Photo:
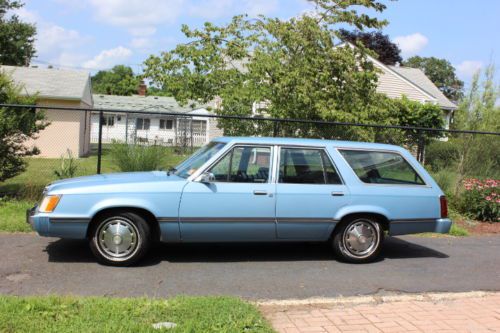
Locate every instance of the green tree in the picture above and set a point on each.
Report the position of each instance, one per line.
(17, 126)
(441, 73)
(387, 51)
(16, 38)
(479, 155)
(292, 66)
(120, 80)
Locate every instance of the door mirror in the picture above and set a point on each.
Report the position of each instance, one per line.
(206, 177)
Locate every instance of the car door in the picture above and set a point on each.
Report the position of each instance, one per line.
(309, 192)
(237, 205)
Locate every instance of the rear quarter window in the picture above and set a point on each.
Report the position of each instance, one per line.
(380, 167)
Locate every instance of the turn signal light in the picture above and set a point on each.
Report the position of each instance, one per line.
(49, 203)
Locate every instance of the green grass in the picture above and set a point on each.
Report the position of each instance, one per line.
(40, 171)
(458, 231)
(100, 314)
(12, 215)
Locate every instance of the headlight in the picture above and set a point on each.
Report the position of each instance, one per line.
(49, 203)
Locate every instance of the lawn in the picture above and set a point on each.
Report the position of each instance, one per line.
(103, 314)
(13, 215)
(40, 172)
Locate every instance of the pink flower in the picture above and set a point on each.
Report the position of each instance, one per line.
(488, 198)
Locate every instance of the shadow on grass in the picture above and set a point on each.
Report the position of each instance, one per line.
(393, 248)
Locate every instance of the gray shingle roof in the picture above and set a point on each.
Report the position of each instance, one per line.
(51, 83)
(143, 103)
(417, 77)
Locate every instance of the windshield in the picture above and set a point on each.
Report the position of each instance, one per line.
(195, 161)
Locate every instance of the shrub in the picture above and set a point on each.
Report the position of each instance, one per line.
(440, 155)
(17, 127)
(137, 158)
(481, 199)
(446, 179)
(68, 166)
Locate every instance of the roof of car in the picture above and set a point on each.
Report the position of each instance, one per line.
(306, 142)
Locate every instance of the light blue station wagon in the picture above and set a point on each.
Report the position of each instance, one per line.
(251, 190)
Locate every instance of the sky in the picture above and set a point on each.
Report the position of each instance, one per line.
(97, 34)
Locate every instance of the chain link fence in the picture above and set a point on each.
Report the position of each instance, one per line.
(87, 139)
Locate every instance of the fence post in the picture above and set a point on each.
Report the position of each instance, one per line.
(99, 143)
(420, 146)
(276, 129)
(191, 130)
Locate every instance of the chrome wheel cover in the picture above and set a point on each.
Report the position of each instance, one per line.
(117, 238)
(361, 238)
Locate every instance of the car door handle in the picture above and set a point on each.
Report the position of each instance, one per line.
(259, 192)
(337, 194)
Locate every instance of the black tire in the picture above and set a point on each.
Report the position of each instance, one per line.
(349, 248)
(130, 238)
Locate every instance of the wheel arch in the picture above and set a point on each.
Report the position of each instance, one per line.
(379, 217)
(143, 212)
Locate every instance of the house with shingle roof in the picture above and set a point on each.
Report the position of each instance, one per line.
(156, 127)
(399, 81)
(60, 88)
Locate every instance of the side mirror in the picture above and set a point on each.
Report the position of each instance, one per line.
(206, 177)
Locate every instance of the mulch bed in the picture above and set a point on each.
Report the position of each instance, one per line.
(480, 228)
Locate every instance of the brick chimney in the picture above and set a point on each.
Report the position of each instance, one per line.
(142, 89)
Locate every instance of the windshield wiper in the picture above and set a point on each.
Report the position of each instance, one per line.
(171, 170)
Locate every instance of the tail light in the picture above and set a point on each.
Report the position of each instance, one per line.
(444, 206)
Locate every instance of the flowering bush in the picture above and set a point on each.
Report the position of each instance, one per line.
(481, 199)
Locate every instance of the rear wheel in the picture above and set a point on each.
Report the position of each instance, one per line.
(120, 238)
(358, 239)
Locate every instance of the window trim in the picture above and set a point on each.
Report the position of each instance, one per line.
(229, 151)
(143, 122)
(165, 120)
(324, 149)
(425, 184)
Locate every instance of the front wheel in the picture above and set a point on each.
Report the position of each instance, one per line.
(358, 240)
(120, 238)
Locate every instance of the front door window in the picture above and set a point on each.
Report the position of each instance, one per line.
(244, 165)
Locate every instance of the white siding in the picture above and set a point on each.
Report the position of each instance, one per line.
(394, 86)
(154, 135)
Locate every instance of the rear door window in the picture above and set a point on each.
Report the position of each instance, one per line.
(306, 166)
(380, 167)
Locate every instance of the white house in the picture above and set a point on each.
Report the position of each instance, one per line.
(153, 127)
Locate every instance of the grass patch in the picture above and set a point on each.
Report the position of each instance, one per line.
(13, 215)
(458, 231)
(40, 172)
(100, 314)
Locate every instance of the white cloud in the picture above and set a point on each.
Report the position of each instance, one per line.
(140, 17)
(468, 68)
(210, 9)
(54, 39)
(411, 44)
(141, 43)
(258, 7)
(54, 43)
(108, 58)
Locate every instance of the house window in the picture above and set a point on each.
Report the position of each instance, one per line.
(108, 121)
(166, 124)
(143, 123)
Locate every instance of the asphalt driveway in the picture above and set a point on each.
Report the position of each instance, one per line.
(30, 264)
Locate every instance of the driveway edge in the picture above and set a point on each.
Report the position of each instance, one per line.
(376, 299)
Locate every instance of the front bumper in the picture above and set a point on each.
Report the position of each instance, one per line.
(404, 227)
(54, 226)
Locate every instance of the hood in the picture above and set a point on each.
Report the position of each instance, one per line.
(125, 178)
